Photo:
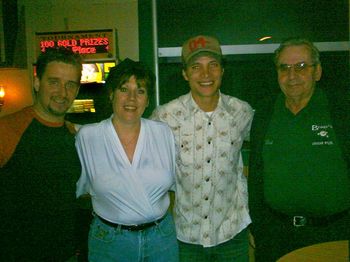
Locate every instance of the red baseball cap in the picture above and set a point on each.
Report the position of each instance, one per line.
(198, 44)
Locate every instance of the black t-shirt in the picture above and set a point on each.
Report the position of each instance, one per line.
(38, 204)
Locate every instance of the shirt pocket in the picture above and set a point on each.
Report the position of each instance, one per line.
(228, 149)
(186, 141)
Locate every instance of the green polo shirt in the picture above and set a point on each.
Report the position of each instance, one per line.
(304, 172)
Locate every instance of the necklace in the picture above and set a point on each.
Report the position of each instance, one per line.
(127, 136)
(128, 143)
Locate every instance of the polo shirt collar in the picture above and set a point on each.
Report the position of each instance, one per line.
(318, 98)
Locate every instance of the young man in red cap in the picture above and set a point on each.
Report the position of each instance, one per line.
(209, 127)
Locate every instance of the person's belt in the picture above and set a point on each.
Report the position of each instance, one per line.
(300, 221)
(139, 227)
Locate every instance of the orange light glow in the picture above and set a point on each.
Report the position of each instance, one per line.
(2, 92)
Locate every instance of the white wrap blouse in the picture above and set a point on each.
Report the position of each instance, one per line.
(123, 192)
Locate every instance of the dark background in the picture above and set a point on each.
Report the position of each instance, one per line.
(249, 77)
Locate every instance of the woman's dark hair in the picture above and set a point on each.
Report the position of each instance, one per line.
(121, 73)
(60, 54)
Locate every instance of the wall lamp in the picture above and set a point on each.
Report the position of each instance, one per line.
(2, 96)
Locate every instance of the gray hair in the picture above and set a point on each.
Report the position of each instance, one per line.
(315, 54)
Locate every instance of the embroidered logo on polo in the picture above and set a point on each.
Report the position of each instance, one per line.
(321, 134)
(268, 142)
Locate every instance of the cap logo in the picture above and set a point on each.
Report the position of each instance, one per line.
(196, 43)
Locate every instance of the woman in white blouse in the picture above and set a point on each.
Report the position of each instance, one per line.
(128, 167)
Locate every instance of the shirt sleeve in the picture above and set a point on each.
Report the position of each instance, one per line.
(155, 115)
(83, 183)
(174, 149)
(12, 127)
(250, 113)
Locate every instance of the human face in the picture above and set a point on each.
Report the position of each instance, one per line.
(204, 75)
(298, 86)
(129, 101)
(56, 90)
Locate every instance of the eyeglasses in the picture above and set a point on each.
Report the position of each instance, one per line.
(298, 67)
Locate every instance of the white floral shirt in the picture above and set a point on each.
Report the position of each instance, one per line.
(211, 190)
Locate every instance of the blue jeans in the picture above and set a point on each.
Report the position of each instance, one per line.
(154, 244)
(234, 250)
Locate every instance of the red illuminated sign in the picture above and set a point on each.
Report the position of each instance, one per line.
(92, 45)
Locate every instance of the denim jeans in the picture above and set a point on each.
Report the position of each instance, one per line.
(236, 249)
(154, 244)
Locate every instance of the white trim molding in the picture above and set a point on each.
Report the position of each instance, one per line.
(257, 49)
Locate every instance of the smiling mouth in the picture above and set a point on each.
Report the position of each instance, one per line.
(60, 101)
(130, 108)
(206, 83)
(294, 86)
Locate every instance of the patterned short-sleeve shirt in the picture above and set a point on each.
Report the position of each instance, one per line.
(211, 190)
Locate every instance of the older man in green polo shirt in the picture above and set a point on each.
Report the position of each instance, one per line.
(299, 180)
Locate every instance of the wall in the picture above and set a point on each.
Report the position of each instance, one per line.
(8, 30)
(67, 15)
(17, 88)
(239, 25)
(245, 22)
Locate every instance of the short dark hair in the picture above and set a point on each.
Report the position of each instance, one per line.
(121, 73)
(298, 41)
(59, 54)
